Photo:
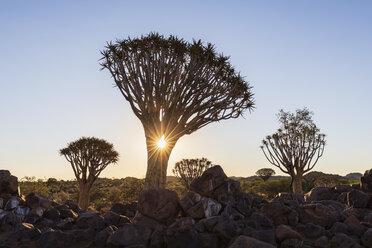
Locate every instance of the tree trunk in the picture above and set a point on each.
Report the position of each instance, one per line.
(84, 190)
(297, 184)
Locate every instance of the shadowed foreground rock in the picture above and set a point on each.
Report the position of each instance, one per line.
(216, 214)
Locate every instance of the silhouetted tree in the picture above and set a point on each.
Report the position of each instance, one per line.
(189, 169)
(296, 147)
(88, 158)
(265, 173)
(174, 88)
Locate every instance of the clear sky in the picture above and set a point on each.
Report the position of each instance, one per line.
(315, 54)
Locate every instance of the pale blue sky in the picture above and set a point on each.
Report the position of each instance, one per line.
(315, 54)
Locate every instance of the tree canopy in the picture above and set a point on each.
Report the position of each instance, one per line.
(189, 169)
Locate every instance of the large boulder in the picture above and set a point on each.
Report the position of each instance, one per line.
(8, 183)
(128, 209)
(199, 207)
(344, 241)
(227, 192)
(357, 199)
(284, 232)
(366, 181)
(130, 235)
(367, 238)
(280, 213)
(90, 219)
(248, 242)
(321, 193)
(209, 181)
(159, 204)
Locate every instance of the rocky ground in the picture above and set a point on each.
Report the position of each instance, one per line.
(216, 213)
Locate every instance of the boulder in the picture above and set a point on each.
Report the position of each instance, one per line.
(101, 238)
(323, 213)
(67, 213)
(159, 204)
(279, 213)
(25, 233)
(243, 203)
(65, 224)
(34, 201)
(208, 239)
(313, 231)
(12, 203)
(52, 214)
(248, 242)
(226, 229)
(339, 227)
(321, 193)
(90, 219)
(366, 181)
(283, 232)
(209, 181)
(367, 238)
(206, 207)
(227, 192)
(130, 235)
(72, 205)
(143, 220)
(344, 241)
(8, 183)
(357, 199)
(112, 218)
(186, 239)
(207, 224)
(261, 221)
(128, 209)
(292, 243)
(322, 242)
(354, 227)
(267, 236)
(9, 222)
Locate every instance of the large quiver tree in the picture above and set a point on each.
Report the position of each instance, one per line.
(174, 88)
(296, 147)
(88, 158)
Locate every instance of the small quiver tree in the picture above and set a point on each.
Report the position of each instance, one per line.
(265, 173)
(88, 158)
(187, 170)
(174, 88)
(296, 147)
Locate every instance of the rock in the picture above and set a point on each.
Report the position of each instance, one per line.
(227, 192)
(339, 227)
(243, 203)
(143, 220)
(103, 235)
(261, 221)
(278, 212)
(323, 213)
(366, 181)
(73, 206)
(321, 193)
(112, 218)
(66, 224)
(158, 238)
(31, 218)
(25, 232)
(199, 207)
(67, 213)
(55, 239)
(344, 241)
(186, 239)
(286, 197)
(52, 214)
(130, 235)
(21, 211)
(208, 240)
(209, 181)
(90, 219)
(39, 211)
(231, 213)
(159, 204)
(343, 188)
(8, 183)
(9, 222)
(211, 207)
(189, 200)
(181, 223)
(367, 238)
(207, 224)
(283, 232)
(354, 227)
(225, 229)
(128, 209)
(322, 242)
(313, 231)
(267, 236)
(247, 242)
(291, 243)
(12, 203)
(357, 199)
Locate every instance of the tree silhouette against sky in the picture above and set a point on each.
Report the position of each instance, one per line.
(174, 88)
(88, 157)
(296, 147)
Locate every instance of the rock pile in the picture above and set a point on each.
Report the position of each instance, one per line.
(216, 213)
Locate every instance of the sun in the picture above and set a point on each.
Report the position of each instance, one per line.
(162, 143)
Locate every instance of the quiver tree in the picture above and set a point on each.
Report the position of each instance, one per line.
(296, 147)
(88, 158)
(174, 88)
(187, 170)
(265, 173)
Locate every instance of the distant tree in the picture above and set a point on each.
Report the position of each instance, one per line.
(265, 173)
(189, 169)
(88, 158)
(174, 88)
(296, 147)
